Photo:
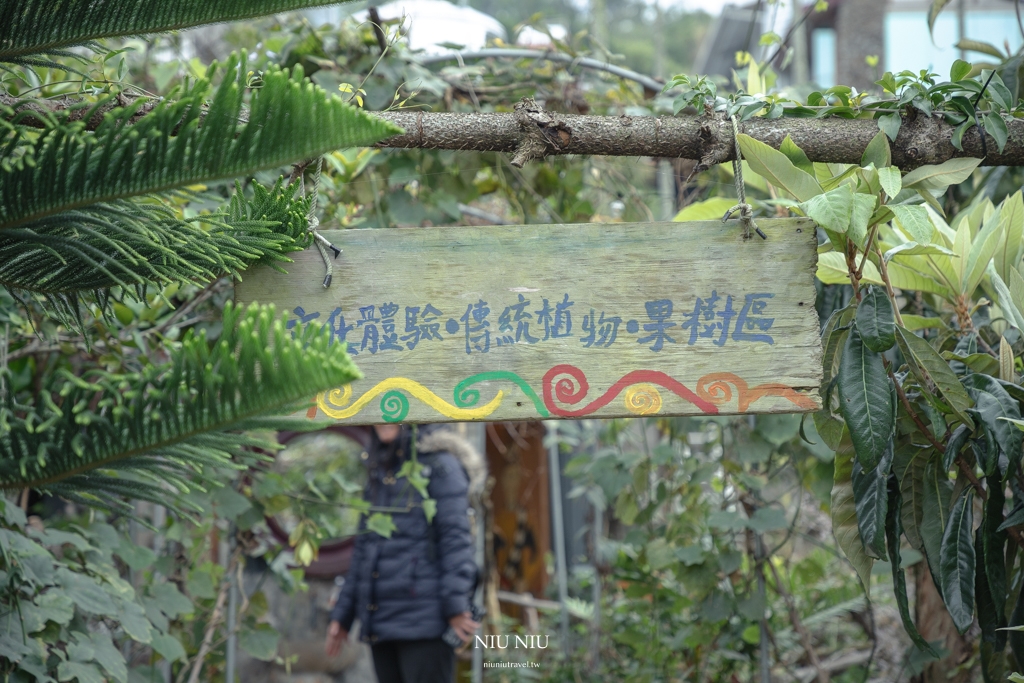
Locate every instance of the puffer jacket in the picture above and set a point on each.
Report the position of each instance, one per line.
(406, 587)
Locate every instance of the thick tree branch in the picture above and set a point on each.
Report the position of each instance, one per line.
(532, 133)
(921, 140)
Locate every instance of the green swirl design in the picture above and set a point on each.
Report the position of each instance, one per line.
(394, 406)
(467, 398)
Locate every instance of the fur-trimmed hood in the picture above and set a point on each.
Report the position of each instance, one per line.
(442, 439)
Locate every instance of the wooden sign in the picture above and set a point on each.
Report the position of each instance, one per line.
(562, 321)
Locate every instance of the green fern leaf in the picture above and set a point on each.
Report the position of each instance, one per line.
(178, 143)
(129, 243)
(109, 437)
(34, 26)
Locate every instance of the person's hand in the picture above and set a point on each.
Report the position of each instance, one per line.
(464, 625)
(336, 635)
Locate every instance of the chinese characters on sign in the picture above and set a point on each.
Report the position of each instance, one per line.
(526, 322)
(715, 319)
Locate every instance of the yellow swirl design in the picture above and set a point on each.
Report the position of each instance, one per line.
(643, 399)
(333, 402)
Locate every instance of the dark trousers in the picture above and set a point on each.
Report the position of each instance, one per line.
(414, 661)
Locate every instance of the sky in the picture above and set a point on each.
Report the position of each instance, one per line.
(709, 6)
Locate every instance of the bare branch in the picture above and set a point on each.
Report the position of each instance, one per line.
(921, 140)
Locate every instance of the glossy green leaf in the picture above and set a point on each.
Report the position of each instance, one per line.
(982, 249)
(890, 125)
(833, 338)
(889, 178)
(832, 210)
(986, 451)
(1015, 518)
(933, 13)
(776, 168)
(1011, 243)
(893, 530)
(50, 606)
(709, 209)
(860, 218)
(878, 153)
(1016, 287)
(980, 46)
(960, 70)
(957, 561)
(865, 400)
(941, 176)
(957, 137)
(260, 641)
(83, 672)
(137, 557)
(934, 373)
(913, 220)
(902, 251)
(901, 277)
(871, 497)
(979, 362)
(830, 428)
(875, 320)
(995, 409)
(988, 616)
(169, 600)
(909, 463)
(920, 322)
(996, 127)
(796, 155)
(168, 647)
(938, 491)
(381, 524)
(832, 270)
(955, 444)
(844, 514)
(105, 654)
(993, 545)
(660, 553)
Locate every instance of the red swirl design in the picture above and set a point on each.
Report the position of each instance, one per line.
(572, 389)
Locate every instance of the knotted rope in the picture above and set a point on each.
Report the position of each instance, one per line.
(321, 242)
(745, 210)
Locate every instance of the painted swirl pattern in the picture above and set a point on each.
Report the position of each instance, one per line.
(564, 387)
(643, 399)
(568, 385)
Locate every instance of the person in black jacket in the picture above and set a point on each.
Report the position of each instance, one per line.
(408, 589)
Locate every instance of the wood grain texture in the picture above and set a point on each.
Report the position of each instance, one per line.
(562, 321)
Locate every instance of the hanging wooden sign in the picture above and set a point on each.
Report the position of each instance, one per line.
(562, 321)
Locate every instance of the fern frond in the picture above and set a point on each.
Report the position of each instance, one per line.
(178, 143)
(34, 26)
(47, 62)
(114, 436)
(131, 242)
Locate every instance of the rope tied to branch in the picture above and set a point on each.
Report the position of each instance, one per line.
(745, 210)
(321, 242)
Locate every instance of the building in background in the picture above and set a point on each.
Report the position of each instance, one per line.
(907, 43)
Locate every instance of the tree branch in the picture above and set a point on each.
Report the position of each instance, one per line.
(822, 674)
(211, 626)
(651, 86)
(921, 140)
(532, 133)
